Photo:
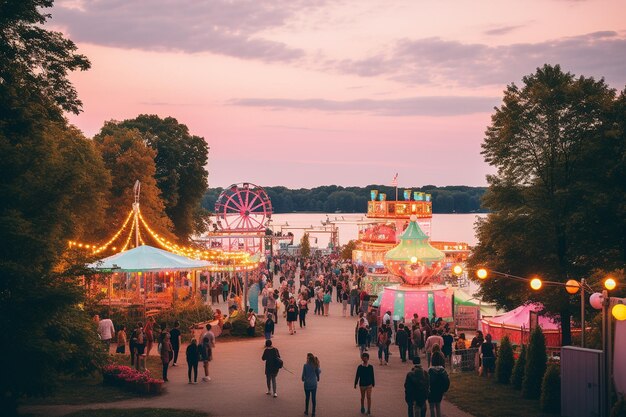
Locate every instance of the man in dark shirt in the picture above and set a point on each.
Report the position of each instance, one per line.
(416, 386)
(365, 379)
(402, 340)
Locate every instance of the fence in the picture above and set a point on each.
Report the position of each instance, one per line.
(465, 360)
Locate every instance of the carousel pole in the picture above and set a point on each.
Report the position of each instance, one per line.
(137, 190)
(245, 292)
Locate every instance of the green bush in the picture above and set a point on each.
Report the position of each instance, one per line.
(551, 390)
(505, 361)
(518, 371)
(619, 408)
(535, 365)
(240, 326)
(187, 312)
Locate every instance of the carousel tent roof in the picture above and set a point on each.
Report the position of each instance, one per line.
(147, 258)
(414, 244)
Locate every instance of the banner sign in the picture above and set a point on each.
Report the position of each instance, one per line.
(466, 317)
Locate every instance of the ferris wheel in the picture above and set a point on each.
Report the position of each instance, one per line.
(243, 206)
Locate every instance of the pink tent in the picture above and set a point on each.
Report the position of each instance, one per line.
(516, 324)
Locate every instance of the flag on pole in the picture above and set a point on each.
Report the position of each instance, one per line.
(395, 180)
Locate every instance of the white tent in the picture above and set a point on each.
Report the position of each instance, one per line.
(147, 258)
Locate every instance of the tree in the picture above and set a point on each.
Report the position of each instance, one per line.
(128, 159)
(180, 170)
(551, 390)
(305, 246)
(518, 371)
(346, 251)
(536, 360)
(549, 141)
(34, 60)
(505, 361)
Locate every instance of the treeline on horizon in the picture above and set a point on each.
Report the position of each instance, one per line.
(331, 198)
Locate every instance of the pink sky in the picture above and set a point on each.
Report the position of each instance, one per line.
(311, 92)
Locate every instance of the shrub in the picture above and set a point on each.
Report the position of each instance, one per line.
(551, 390)
(505, 361)
(187, 312)
(619, 408)
(518, 370)
(535, 365)
(240, 326)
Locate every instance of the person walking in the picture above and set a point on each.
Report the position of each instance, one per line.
(446, 349)
(402, 340)
(303, 309)
(432, 340)
(344, 302)
(310, 376)
(192, 355)
(292, 315)
(268, 328)
(148, 331)
(206, 351)
(273, 363)
(251, 322)
(106, 331)
(166, 353)
(365, 379)
(383, 341)
(488, 355)
(326, 300)
(225, 289)
(175, 336)
(416, 388)
(439, 383)
(362, 333)
(354, 301)
(138, 345)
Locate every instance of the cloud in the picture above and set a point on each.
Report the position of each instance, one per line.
(447, 62)
(224, 27)
(502, 30)
(413, 106)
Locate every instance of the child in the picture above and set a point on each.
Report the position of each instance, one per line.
(365, 379)
(192, 360)
(269, 326)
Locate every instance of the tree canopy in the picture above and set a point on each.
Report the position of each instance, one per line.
(558, 146)
(180, 169)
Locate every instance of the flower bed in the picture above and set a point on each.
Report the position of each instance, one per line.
(131, 379)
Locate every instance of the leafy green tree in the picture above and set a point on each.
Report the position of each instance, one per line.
(518, 370)
(305, 246)
(180, 170)
(548, 141)
(536, 360)
(34, 60)
(505, 361)
(129, 159)
(551, 390)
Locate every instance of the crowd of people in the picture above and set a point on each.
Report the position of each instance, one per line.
(318, 278)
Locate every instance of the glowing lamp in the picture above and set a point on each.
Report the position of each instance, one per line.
(413, 259)
(481, 273)
(536, 284)
(610, 284)
(572, 286)
(596, 300)
(619, 312)
(457, 270)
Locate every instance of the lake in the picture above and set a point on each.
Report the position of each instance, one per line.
(445, 227)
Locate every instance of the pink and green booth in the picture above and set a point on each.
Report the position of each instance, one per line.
(418, 264)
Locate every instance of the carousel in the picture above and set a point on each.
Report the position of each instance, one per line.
(418, 265)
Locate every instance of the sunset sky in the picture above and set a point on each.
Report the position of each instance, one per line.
(311, 92)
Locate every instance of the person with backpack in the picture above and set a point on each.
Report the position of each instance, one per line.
(273, 363)
(416, 388)
(439, 383)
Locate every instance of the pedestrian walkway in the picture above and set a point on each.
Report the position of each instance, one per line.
(238, 387)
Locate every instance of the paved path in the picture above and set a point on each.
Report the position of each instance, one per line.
(238, 387)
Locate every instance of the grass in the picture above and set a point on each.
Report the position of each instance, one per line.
(76, 391)
(484, 397)
(137, 412)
